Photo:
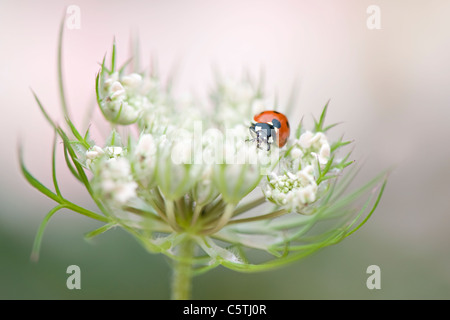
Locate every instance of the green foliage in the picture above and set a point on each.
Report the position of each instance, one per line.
(226, 228)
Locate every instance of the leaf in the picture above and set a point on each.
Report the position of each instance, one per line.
(104, 68)
(298, 132)
(99, 231)
(77, 134)
(34, 182)
(70, 165)
(73, 156)
(97, 94)
(113, 57)
(88, 139)
(40, 233)
(122, 68)
(47, 117)
(55, 181)
(318, 126)
(331, 126)
(377, 201)
(62, 94)
(338, 144)
(114, 139)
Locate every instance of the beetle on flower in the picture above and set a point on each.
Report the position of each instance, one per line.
(202, 215)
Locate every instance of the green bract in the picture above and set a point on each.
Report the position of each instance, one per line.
(194, 188)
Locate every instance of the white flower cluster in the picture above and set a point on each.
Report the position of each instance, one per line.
(97, 152)
(175, 173)
(310, 148)
(127, 99)
(145, 159)
(122, 98)
(165, 154)
(296, 186)
(292, 191)
(112, 173)
(115, 181)
(235, 101)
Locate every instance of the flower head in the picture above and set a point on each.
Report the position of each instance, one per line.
(114, 181)
(120, 98)
(174, 176)
(294, 191)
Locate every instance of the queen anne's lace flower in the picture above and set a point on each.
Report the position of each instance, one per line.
(294, 183)
(114, 181)
(292, 190)
(92, 154)
(235, 101)
(145, 160)
(178, 179)
(315, 144)
(122, 99)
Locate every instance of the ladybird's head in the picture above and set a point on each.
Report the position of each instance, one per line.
(264, 133)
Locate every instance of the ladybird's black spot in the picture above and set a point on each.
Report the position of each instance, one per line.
(287, 124)
(276, 123)
(276, 112)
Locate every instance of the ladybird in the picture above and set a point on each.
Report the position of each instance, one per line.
(269, 127)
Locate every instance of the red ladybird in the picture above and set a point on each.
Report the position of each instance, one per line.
(270, 126)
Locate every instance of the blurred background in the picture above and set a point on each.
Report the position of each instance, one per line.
(388, 86)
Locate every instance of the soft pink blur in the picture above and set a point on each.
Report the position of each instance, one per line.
(388, 86)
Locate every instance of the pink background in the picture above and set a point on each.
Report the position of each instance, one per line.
(388, 86)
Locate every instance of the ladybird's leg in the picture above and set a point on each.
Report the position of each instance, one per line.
(259, 140)
(252, 139)
(253, 133)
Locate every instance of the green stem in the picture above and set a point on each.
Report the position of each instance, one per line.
(223, 220)
(248, 206)
(197, 211)
(182, 271)
(271, 215)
